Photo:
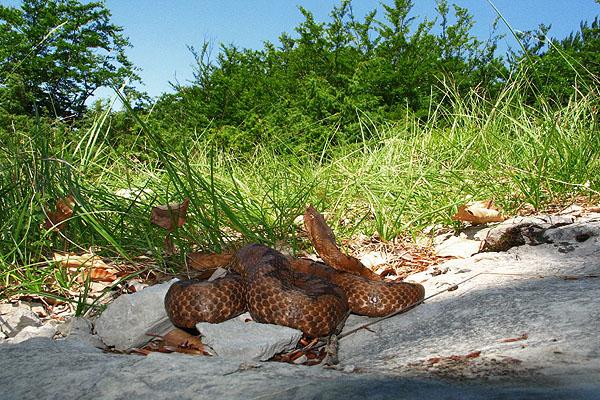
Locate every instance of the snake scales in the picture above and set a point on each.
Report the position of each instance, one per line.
(307, 296)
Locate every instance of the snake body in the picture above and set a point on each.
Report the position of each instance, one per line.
(307, 296)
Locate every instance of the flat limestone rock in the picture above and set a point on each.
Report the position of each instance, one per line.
(15, 317)
(521, 324)
(578, 232)
(243, 339)
(531, 313)
(46, 331)
(78, 328)
(518, 231)
(458, 246)
(127, 320)
(71, 370)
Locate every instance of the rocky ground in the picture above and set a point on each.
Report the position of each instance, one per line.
(518, 322)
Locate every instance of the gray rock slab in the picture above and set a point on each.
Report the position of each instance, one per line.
(80, 329)
(29, 332)
(72, 370)
(577, 232)
(243, 339)
(127, 320)
(458, 246)
(14, 317)
(544, 299)
(518, 231)
(548, 295)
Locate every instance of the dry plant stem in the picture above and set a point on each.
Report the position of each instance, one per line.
(331, 351)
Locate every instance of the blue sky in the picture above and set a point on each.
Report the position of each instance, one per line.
(160, 30)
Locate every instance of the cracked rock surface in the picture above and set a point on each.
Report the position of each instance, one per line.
(520, 324)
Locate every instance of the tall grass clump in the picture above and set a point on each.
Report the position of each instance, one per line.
(416, 172)
(401, 177)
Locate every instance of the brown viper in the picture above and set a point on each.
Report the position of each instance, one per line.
(311, 297)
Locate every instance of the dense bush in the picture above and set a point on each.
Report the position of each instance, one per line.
(313, 90)
(316, 86)
(560, 68)
(55, 54)
(329, 75)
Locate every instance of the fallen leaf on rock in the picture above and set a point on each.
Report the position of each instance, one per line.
(178, 341)
(526, 209)
(143, 352)
(180, 338)
(458, 246)
(323, 240)
(57, 220)
(473, 354)
(478, 212)
(39, 309)
(170, 216)
(203, 262)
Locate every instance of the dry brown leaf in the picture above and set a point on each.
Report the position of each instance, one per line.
(87, 266)
(182, 342)
(135, 285)
(57, 220)
(478, 212)
(388, 273)
(202, 262)
(74, 260)
(170, 216)
(98, 275)
(323, 240)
